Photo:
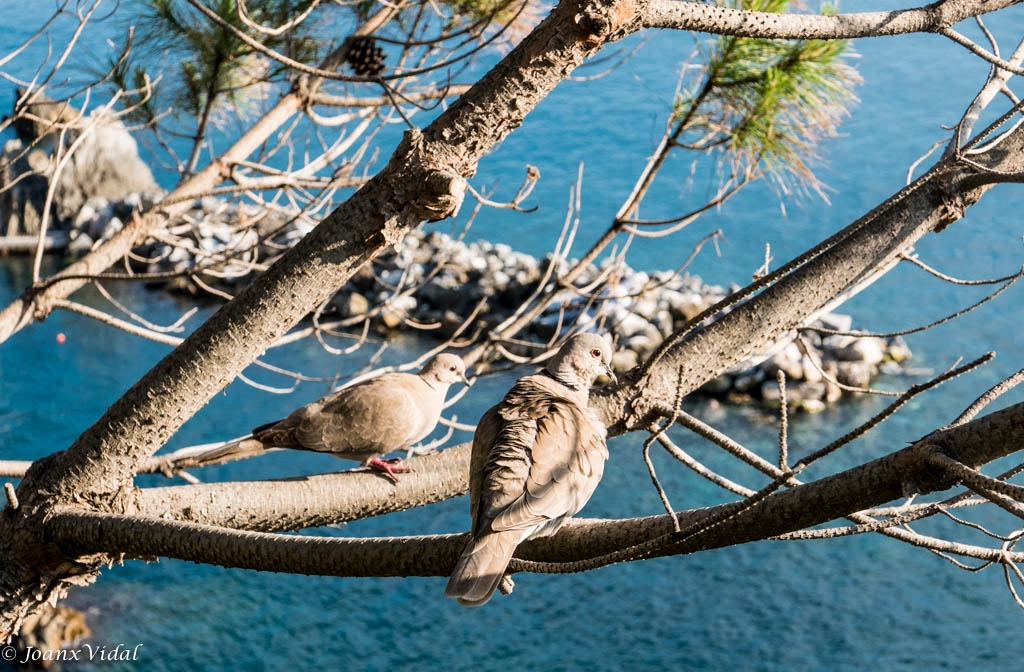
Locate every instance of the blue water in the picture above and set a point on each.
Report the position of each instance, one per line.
(847, 604)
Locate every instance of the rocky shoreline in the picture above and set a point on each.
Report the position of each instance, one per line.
(433, 282)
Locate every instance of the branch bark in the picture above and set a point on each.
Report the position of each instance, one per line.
(709, 18)
(310, 501)
(79, 532)
(803, 286)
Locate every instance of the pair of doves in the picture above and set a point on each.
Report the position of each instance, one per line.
(537, 455)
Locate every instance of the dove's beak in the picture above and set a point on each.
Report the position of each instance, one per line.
(611, 374)
(462, 377)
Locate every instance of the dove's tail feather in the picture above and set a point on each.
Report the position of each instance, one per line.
(229, 451)
(481, 567)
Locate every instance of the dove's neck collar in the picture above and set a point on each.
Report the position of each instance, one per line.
(435, 384)
(567, 378)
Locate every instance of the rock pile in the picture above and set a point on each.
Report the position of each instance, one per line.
(437, 281)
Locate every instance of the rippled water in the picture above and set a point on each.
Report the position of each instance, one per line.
(845, 604)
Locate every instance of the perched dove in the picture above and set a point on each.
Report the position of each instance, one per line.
(537, 458)
(362, 422)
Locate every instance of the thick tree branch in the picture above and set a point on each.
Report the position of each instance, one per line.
(77, 530)
(882, 480)
(802, 287)
(710, 18)
(310, 501)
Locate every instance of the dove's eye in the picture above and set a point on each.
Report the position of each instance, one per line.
(595, 352)
(451, 368)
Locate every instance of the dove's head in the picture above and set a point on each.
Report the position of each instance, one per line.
(582, 359)
(444, 369)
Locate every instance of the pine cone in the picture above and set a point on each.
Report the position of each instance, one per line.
(364, 57)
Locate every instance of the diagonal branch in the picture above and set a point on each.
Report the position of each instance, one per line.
(712, 342)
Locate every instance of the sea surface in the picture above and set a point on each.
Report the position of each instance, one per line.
(854, 603)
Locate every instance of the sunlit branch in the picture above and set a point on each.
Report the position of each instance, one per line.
(728, 21)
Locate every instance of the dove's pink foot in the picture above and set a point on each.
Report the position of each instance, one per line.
(388, 467)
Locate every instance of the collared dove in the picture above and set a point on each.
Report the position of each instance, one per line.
(364, 421)
(537, 457)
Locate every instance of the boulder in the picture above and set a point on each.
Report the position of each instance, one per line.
(22, 190)
(105, 164)
(898, 350)
(854, 374)
(867, 349)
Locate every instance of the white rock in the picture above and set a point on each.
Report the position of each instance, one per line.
(898, 350)
(868, 349)
(813, 405)
(855, 374)
(624, 360)
(687, 305)
(789, 361)
(632, 324)
(811, 365)
(835, 322)
(500, 280)
(663, 320)
(642, 344)
(645, 307)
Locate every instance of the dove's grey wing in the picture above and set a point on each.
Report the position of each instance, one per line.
(499, 469)
(373, 418)
(566, 463)
(544, 457)
(357, 422)
(483, 438)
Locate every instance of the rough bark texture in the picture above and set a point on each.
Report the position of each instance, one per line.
(724, 20)
(834, 497)
(930, 203)
(295, 503)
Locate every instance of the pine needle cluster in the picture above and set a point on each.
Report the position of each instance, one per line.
(768, 103)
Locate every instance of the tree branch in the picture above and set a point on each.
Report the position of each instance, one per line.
(710, 18)
(887, 478)
(803, 286)
(77, 530)
(310, 501)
